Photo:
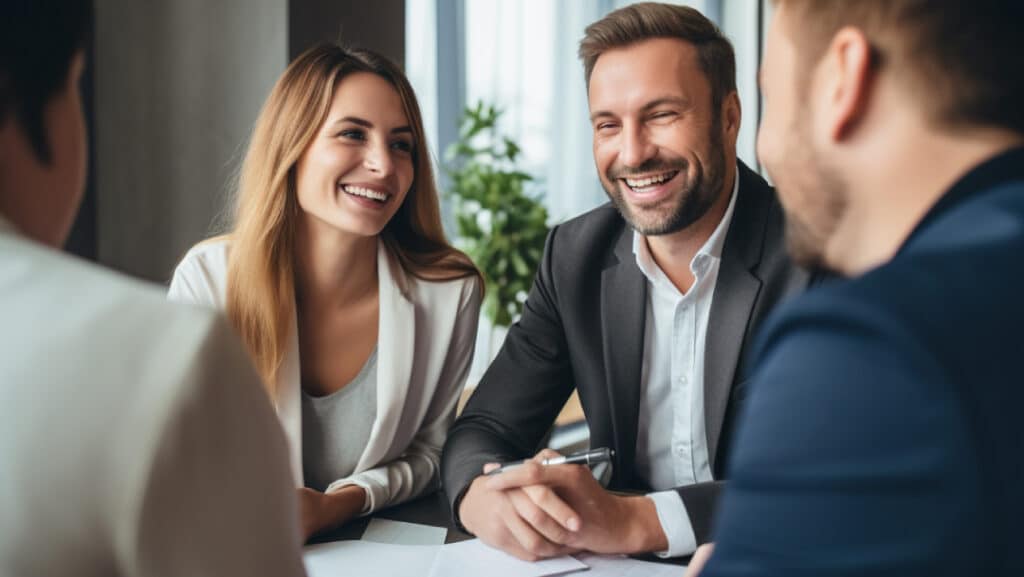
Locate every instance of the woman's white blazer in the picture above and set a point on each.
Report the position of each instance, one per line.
(425, 345)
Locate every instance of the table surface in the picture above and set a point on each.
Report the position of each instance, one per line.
(427, 510)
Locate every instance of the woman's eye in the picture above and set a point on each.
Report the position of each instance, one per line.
(353, 134)
(402, 145)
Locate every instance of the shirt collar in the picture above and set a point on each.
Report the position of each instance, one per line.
(712, 246)
(716, 242)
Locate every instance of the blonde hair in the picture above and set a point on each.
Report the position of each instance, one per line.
(261, 264)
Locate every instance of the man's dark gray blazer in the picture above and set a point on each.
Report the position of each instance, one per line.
(583, 327)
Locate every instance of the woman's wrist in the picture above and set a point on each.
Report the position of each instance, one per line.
(344, 504)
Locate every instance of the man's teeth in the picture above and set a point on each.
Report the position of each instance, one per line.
(366, 193)
(649, 181)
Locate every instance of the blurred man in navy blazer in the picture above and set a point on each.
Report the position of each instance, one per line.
(884, 434)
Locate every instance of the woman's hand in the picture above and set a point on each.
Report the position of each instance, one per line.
(320, 511)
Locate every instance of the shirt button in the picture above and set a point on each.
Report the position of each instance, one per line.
(681, 450)
(683, 380)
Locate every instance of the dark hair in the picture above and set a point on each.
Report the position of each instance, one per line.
(646, 20)
(961, 58)
(38, 41)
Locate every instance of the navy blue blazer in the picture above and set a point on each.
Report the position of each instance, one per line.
(884, 432)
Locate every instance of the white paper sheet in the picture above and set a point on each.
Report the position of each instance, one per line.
(473, 559)
(365, 558)
(622, 566)
(402, 533)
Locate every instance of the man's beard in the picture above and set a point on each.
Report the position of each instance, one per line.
(686, 206)
(814, 200)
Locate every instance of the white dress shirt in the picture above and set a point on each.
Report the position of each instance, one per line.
(672, 448)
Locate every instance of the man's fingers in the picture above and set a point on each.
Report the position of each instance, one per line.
(533, 473)
(550, 528)
(545, 499)
(490, 467)
(535, 545)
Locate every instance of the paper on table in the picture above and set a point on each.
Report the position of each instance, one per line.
(473, 558)
(343, 558)
(402, 533)
(622, 566)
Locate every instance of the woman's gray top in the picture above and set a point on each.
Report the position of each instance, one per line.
(336, 427)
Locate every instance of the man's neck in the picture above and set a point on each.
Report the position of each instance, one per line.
(674, 252)
(908, 175)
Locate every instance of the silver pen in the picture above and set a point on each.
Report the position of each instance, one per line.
(591, 457)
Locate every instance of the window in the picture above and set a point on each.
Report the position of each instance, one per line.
(521, 56)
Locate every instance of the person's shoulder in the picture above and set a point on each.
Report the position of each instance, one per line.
(146, 300)
(208, 255)
(587, 242)
(602, 222)
(858, 321)
(100, 364)
(464, 290)
(202, 275)
(143, 309)
(81, 306)
(827, 305)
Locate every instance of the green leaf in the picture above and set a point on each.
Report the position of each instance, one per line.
(484, 176)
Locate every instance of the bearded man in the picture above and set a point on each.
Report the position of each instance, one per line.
(645, 306)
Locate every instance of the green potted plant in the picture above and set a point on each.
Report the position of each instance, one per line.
(500, 225)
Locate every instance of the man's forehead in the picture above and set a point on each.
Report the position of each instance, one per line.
(662, 68)
(652, 52)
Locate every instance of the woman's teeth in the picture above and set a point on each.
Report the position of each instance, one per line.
(366, 193)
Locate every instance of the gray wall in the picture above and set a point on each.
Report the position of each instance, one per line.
(178, 85)
(375, 24)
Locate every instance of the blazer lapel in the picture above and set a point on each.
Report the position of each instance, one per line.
(736, 292)
(396, 339)
(288, 400)
(623, 307)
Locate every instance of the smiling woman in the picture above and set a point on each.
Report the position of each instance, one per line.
(358, 168)
(357, 312)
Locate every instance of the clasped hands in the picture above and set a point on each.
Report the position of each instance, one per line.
(536, 511)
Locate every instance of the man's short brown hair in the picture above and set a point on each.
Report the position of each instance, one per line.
(960, 57)
(647, 20)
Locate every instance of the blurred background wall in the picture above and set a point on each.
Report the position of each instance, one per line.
(176, 86)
